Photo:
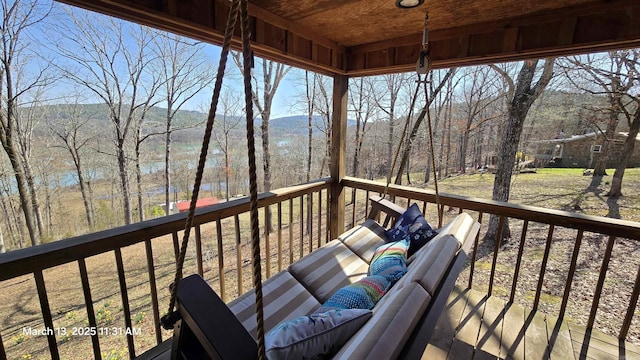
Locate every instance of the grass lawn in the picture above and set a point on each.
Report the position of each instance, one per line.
(561, 189)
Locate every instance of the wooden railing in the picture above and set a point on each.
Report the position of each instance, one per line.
(145, 262)
(58, 281)
(532, 222)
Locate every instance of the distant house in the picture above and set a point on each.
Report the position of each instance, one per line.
(582, 151)
(183, 206)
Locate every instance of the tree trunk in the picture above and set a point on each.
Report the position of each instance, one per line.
(139, 177)
(33, 195)
(523, 96)
(600, 167)
(167, 162)
(627, 150)
(124, 182)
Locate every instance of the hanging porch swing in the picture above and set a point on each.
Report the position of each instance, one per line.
(207, 328)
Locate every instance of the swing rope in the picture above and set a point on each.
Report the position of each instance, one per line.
(253, 183)
(423, 66)
(169, 320)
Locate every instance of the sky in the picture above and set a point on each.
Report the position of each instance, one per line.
(44, 43)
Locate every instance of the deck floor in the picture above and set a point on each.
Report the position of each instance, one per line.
(475, 326)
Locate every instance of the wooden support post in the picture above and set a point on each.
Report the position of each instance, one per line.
(338, 149)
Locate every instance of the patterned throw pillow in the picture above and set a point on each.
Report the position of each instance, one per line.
(390, 261)
(315, 336)
(413, 224)
(363, 294)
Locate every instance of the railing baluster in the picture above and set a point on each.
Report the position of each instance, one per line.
(291, 231)
(495, 254)
(366, 204)
(603, 274)
(279, 236)
(631, 309)
(199, 250)
(221, 272)
(543, 267)
(516, 273)
(301, 226)
(154, 291)
(176, 246)
(310, 220)
(46, 314)
(571, 274)
(328, 218)
(125, 301)
(236, 222)
(3, 353)
(354, 197)
(319, 218)
(88, 301)
(267, 226)
(475, 250)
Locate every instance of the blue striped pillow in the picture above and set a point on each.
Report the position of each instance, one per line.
(390, 260)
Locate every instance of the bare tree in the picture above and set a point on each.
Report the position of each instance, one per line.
(184, 76)
(520, 95)
(602, 75)
(416, 126)
(362, 104)
(392, 85)
(75, 138)
(310, 100)
(115, 68)
(231, 106)
(478, 94)
(272, 74)
(17, 82)
(631, 71)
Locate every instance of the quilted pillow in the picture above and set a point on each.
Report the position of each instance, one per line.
(363, 294)
(315, 336)
(390, 261)
(413, 224)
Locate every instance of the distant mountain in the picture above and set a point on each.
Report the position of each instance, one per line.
(297, 124)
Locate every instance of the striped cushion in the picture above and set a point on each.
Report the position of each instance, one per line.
(329, 268)
(432, 262)
(364, 239)
(284, 299)
(386, 333)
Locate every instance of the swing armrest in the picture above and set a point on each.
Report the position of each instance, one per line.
(379, 204)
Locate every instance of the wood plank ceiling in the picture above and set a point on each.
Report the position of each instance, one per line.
(366, 37)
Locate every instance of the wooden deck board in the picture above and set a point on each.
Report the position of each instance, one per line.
(535, 339)
(440, 343)
(513, 333)
(489, 338)
(471, 319)
(559, 339)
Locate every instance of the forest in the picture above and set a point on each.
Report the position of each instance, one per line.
(101, 121)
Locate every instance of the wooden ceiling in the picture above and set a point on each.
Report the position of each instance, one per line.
(366, 37)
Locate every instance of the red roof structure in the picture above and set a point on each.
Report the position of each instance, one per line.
(183, 206)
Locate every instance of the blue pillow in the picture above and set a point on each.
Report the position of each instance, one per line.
(315, 336)
(412, 224)
(390, 261)
(363, 294)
